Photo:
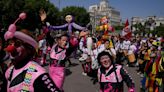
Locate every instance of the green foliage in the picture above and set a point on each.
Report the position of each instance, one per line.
(12, 8)
(119, 27)
(80, 14)
(160, 30)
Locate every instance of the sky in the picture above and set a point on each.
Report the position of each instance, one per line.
(127, 8)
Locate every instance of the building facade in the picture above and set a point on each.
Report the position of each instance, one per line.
(103, 9)
(149, 22)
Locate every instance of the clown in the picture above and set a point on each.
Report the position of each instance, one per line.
(25, 75)
(112, 76)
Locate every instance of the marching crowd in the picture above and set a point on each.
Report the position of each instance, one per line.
(22, 57)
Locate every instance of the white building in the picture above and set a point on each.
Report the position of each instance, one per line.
(103, 9)
(153, 21)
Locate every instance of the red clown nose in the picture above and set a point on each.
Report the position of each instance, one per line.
(10, 48)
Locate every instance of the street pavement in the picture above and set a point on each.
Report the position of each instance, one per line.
(76, 82)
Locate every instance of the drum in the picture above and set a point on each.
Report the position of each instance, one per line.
(131, 58)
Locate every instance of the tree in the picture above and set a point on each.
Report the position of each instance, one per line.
(80, 14)
(12, 8)
(160, 30)
(118, 27)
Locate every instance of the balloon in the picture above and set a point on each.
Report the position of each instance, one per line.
(8, 35)
(26, 38)
(12, 28)
(22, 16)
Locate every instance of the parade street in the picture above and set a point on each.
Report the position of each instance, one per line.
(76, 82)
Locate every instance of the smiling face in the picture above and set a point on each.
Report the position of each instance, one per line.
(105, 61)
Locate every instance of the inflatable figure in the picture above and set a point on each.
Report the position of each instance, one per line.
(69, 25)
(105, 26)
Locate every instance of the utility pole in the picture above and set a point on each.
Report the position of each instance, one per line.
(59, 4)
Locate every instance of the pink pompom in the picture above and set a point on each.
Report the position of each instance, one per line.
(12, 28)
(22, 16)
(8, 35)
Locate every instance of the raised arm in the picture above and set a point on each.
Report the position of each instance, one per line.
(57, 27)
(77, 26)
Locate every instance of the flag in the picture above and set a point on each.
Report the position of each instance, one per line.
(127, 23)
(126, 32)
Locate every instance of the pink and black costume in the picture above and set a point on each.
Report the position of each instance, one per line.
(30, 78)
(112, 80)
(25, 75)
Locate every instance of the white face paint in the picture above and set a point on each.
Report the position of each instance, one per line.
(105, 61)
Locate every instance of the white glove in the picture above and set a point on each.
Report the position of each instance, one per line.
(48, 24)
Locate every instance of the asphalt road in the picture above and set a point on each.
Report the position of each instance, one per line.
(76, 82)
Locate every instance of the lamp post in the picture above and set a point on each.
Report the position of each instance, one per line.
(94, 21)
(59, 4)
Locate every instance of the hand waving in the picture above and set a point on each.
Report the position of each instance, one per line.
(43, 15)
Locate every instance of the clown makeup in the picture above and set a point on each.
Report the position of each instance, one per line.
(105, 61)
(15, 48)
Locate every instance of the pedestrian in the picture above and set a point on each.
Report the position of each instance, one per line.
(111, 76)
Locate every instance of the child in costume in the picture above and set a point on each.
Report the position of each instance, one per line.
(25, 75)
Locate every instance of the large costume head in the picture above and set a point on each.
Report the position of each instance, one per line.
(104, 23)
(105, 26)
(104, 20)
(21, 46)
(69, 18)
